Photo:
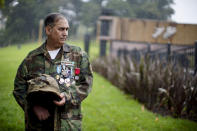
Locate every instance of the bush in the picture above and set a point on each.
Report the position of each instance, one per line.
(162, 87)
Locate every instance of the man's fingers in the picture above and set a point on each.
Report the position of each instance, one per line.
(41, 113)
(60, 103)
(44, 115)
(62, 95)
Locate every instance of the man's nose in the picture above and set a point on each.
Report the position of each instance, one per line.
(65, 33)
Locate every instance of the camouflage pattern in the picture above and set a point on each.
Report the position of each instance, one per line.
(43, 86)
(67, 117)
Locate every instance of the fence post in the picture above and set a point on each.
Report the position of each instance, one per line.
(103, 47)
(148, 48)
(147, 54)
(168, 51)
(87, 42)
(195, 68)
(104, 32)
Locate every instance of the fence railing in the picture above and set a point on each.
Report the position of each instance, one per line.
(185, 56)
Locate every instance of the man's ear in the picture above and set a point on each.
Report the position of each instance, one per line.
(48, 30)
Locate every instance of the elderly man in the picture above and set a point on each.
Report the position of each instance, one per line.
(69, 66)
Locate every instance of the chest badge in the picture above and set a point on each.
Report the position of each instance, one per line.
(67, 73)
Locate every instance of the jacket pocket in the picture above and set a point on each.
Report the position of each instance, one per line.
(73, 114)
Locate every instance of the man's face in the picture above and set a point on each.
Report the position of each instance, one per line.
(58, 33)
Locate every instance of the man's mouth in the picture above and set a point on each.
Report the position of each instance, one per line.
(62, 39)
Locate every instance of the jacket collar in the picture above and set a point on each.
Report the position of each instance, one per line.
(66, 48)
(42, 49)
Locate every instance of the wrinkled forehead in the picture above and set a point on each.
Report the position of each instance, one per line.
(61, 21)
(59, 17)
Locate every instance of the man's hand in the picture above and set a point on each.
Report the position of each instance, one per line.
(62, 101)
(41, 112)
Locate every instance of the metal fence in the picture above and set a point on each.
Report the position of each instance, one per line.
(185, 56)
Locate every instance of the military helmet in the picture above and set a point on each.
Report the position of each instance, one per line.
(43, 89)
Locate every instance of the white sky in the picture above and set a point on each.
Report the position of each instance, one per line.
(185, 11)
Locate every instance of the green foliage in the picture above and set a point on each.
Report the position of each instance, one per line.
(90, 13)
(23, 17)
(150, 9)
(2, 2)
(121, 8)
(105, 109)
(22, 20)
(153, 9)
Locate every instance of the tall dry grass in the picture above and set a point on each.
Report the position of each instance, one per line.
(161, 86)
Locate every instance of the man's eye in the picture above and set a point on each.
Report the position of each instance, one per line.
(61, 29)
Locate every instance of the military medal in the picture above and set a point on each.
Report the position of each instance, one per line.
(67, 73)
(71, 71)
(59, 68)
(73, 83)
(77, 71)
(76, 77)
(67, 59)
(64, 67)
(57, 77)
(64, 73)
(67, 80)
(68, 84)
(61, 81)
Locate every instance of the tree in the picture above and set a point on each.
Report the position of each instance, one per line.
(90, 13)
(2, 2)
(121, 8)
(149, 9)
(72, 10)
(155, 9)
(23, 16)
(23, 19)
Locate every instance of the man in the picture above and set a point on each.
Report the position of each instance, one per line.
(69, 65)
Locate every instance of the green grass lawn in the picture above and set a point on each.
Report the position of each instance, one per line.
(105, 109)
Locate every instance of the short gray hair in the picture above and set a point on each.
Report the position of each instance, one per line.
(52, 18)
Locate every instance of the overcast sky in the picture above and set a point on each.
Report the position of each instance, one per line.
(185, 11)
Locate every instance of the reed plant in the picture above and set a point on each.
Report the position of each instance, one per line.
(162, 86)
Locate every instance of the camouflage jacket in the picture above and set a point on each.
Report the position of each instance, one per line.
(38, 61)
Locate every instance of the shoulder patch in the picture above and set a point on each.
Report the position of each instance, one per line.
(36, 51)
(76, 49)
